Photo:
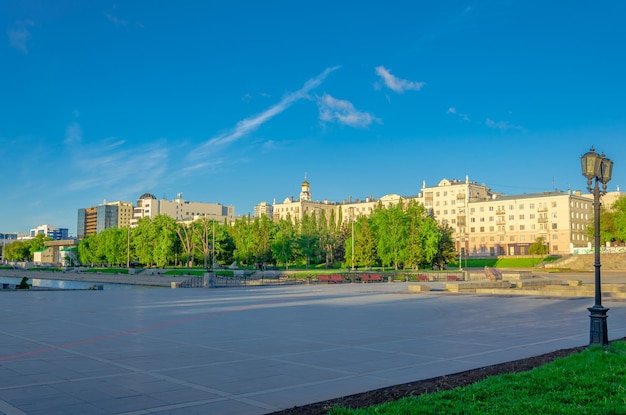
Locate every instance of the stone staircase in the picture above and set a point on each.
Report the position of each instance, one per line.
(586, 261)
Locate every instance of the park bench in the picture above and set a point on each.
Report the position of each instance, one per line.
(422, 277)
(371, 278)
(330, 278)
(336, 278)
(453, 278)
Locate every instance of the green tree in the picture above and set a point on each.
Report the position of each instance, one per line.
(619, 220)
(283, 243)
(445, 250)
(392, 234)
(185, 234)
(538, 247)
(17, 251)
(364, 243)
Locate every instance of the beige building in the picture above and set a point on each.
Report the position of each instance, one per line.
(483, 222)
(263, 209)
(295, 209)
(181, 210)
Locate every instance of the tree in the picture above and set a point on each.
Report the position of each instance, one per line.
(538, 247)
(619, 219)
(185, 234)
(283, 243)
(364, 243)
(445, 249)
(392, 233)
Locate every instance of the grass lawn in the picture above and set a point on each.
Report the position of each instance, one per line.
(590, 382)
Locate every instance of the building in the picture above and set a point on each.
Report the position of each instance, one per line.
(264, 209)
(295, 209)
(56, 234)
(181, 210)
(95, 219)
(483, 222)
(58, 252)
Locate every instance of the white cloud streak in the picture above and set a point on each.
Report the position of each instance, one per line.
(73, 133)
(19, 35)
(250, 124)
(396, 84)
(453, 111)
(342, 111)
(503, 125)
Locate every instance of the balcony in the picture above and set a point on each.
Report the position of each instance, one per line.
(542, 220)
(500, 212)
(500, 222)
(542, 209)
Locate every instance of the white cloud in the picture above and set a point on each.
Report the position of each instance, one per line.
(116, 20)
(109, 163)
(453, 111)
(73, 133)
(342, 111)
(19, 35)
(250, 124)
(503, 125)
(396, 84)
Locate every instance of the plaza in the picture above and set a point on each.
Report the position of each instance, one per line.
(257, 350)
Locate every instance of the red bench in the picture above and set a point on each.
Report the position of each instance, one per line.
(330, 278)
(453, 278)
(371, 278)
(422, 277)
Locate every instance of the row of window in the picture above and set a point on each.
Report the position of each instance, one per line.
(511, 238)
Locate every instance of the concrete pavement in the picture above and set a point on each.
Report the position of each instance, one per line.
(262, 349)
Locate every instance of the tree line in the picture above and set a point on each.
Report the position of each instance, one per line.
(398, 236)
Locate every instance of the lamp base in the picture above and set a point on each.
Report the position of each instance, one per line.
(598, 333)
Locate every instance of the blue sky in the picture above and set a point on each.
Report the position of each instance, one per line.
(234, 102)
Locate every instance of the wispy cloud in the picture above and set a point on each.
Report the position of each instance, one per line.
(111, 163)
(453, 111)
(342, 111)
(503, 125)
(73, 133)
(250, 124)
(396, 84)
(19, 35)
(117, 21)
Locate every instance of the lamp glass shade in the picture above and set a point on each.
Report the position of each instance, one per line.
(606, 170)
(590, 162)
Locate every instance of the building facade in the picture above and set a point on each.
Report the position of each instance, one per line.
(95, 219)
(483, 222)
(56, 234)
(181, 210)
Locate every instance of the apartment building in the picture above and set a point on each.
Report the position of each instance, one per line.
(181, 210)
(483, 222)
(295, 209)
(56, 234)
(95, 219)
(264, 209)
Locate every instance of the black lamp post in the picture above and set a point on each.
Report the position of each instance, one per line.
(597, 168)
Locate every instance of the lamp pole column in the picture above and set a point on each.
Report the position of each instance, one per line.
(598, 333)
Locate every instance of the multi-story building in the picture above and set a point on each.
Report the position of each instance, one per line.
(95, 219)
(263, 209)
(295, 209)
(181, 210)
(56, 234)
(483, 222)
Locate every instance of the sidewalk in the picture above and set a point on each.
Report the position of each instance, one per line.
(259, 350)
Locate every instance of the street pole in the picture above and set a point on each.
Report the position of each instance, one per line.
(597, 168)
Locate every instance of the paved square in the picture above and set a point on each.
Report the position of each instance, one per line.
(259, 350)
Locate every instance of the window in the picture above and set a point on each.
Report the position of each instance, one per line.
(511, 217)
(482, 229)
(491, 229)
(522, 228)
(532, 206)
(521, 238)
(555, 237)
(553, 204)
(521, 206)
(511, 227)
(490, 208)
(521, 217)
(531, 216)
(482, 208)
(554, 226)
(511, 207)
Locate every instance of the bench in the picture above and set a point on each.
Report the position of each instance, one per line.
(330, 279)
(422, 277)
(371, 278)
(453, 278)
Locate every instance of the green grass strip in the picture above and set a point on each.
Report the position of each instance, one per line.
(590, 382)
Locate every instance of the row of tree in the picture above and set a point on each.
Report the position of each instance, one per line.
(24, 250)
(396, 236)
(612, 222)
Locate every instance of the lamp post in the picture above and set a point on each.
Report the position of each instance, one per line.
(597, 168)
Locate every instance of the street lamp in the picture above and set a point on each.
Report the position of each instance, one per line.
(597, 168)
